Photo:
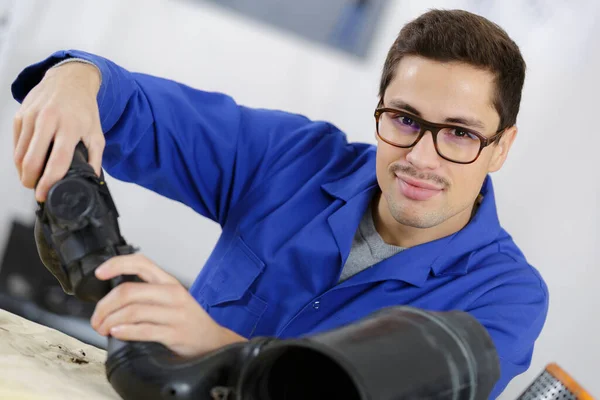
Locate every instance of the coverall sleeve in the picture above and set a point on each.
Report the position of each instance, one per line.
(196, 147)
(514, 314)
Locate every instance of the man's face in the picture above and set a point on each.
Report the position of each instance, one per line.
(420, 188)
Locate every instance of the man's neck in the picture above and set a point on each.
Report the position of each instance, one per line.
(395, 233)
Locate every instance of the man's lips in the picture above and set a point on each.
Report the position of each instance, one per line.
(417, 190)
(420, 184)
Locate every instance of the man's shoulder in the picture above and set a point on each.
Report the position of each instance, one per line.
(296, 137)
(507, 265)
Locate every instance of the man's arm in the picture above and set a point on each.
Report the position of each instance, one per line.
(195, 147)
(514, 314)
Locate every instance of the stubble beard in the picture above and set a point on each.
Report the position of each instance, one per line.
(402, 213)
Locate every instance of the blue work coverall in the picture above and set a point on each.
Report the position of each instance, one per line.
(289, 193)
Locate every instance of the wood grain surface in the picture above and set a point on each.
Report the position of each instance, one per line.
(40, 363)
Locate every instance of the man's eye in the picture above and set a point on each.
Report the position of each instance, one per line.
(406, 121)
(464, 134)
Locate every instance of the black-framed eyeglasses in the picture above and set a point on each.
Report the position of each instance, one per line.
(452, 142)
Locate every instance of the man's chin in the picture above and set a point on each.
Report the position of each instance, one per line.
(415, 217)
(419, 222)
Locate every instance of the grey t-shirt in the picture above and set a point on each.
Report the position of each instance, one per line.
(368, 248)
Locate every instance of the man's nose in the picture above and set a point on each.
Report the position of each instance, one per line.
(423, 155)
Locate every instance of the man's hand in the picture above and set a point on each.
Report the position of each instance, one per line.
(62, 109)
(158, 310)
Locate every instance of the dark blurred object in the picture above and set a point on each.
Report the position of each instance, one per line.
(29, 290)
(346, 25)
(24, 277)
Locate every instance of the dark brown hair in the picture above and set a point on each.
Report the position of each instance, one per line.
(457, 35)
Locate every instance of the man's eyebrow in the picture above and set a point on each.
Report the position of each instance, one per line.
(396, 103)
(472, 122)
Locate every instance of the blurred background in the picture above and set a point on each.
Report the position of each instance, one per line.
(323, 58)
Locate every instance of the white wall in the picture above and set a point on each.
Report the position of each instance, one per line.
(547, 193)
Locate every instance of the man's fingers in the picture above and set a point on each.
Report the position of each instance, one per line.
(27, 124)
(58, 164)
(135, 314)
(145, 333)
(37, 150)
(136, 293)
(17, 125)
(134, 264)
(95, 150)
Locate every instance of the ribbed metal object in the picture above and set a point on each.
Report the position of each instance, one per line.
(555, 384)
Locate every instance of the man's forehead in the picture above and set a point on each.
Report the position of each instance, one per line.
(442, 91)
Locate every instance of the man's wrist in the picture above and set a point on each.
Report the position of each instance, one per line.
(88, 70)
(76, 60)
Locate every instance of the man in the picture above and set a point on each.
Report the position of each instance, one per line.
(317, 232)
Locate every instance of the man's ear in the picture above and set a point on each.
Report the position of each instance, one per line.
(502, 148)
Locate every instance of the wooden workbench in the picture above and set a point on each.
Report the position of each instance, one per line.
(40, 363)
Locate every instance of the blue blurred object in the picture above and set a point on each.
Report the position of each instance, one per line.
(347, 32)
(346, 25)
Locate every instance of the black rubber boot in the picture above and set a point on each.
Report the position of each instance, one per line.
(396, 353)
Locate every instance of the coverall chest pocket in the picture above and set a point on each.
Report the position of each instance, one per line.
(227, 294)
